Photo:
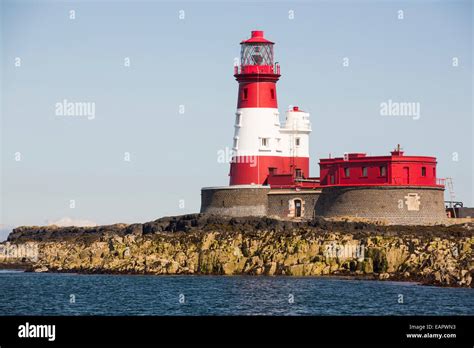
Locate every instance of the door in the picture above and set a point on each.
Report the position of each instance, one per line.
(297, 208)
(406, 176)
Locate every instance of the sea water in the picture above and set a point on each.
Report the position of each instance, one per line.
(76, 294)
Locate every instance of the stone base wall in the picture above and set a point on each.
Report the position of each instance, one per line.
(465, 212)
(235, 201)
(240, 201)
(402, 205)
(281, 203)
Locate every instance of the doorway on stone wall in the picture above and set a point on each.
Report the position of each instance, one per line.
(297, 208)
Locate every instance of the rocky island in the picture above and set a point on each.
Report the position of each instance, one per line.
(207, 244)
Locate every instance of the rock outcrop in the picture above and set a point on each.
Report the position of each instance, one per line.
(202, 244)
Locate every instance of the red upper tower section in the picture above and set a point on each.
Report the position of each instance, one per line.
(257, 73)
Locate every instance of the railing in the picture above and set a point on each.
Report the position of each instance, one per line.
(257, 69)
(307, 180)
(394, 181)
(290, 181)
(454, 204)
(401, 181)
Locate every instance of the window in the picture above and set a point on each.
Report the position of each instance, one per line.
(331, 179)
(272, 171)
(256, 54)
(237, 119)
(364, 171)
(236, 142)
(277, 119)
(383, 171)
(246, 93)
(298, 173)
(278, 144)
(272, 93)
(264, 144)
(347, 172)
(423, 171)
(434, 172)
(297, 141)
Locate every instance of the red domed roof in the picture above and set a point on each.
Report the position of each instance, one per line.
(257, 37)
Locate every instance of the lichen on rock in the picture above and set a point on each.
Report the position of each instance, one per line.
(202, 244)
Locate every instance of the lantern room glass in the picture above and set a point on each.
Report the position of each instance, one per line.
(256, 54)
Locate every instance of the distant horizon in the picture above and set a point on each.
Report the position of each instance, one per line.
(153, 97)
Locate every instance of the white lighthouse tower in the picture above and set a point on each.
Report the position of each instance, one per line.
(261, 145)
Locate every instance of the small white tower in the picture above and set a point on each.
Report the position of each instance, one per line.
(295, 133)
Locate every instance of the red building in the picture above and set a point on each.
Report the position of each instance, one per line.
(357, 169)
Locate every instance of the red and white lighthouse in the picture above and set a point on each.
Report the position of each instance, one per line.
(269, 172)
(262, 146)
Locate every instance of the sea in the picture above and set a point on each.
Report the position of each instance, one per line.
(112, 295)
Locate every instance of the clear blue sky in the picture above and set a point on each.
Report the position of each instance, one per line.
(189, 62)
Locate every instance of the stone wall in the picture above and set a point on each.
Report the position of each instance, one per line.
(464, 212)
(281, 203)
(402, 205)
(257, 201)
(235, 200)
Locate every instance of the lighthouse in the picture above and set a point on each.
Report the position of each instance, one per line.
(261, 145)
(269, 170)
